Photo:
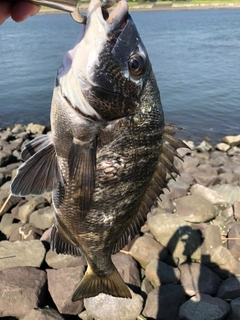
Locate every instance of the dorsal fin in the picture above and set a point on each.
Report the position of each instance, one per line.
(157, 183)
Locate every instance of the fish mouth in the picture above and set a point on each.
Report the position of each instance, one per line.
(113, 20)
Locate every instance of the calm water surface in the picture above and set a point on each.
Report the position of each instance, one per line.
(195, 57)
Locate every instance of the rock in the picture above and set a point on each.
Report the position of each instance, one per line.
(210, 195)
(25, 210)
(159, 304)
(205, 175)
(128, 269)
(21, 290)
(196, 277)
(232, 140)
(46, 313)
(236, 208)
(16, 254)
(18, 128)
(234, 245)
(7, 135)
(12, 202)
(24, 233)
(177, 235)
(202, 307)
(234, 313)
(204, 146)
(146, 287)
(62, 283)
(212, 239)
(5, 158)
(229, 193)
(146, 249)
(178, 184)
(189, 162)
(158, 272)
(221, 261)
(223, 147)
(42, 218)
(229, 289)
(58, 261)
(106, 307)
(233, 151)
(194, 208)
(35, 128)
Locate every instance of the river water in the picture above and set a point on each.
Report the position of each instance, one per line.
(195, 57)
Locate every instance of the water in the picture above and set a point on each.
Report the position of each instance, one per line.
(195, 57)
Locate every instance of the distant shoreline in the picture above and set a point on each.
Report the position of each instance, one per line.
(159, 7)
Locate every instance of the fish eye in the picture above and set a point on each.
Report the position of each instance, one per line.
(136, 65)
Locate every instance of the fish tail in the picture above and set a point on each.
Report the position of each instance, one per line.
(92, 284)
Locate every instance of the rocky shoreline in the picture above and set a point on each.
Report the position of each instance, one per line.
(183, 265)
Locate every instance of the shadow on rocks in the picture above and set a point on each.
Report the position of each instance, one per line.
(200, 292)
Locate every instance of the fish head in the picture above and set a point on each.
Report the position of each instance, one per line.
(105, 73)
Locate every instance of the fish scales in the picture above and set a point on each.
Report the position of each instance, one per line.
(109, 151)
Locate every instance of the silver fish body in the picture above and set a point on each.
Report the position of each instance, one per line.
(107, 157)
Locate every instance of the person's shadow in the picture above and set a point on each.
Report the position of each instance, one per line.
(185, 244)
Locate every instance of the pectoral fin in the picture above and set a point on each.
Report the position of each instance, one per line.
(40, 173)
(82, 166)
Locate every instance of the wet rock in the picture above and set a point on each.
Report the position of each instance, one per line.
(58, 261)
(229, 193)
(194, 208)
(159, 302)
(21, 290)
(210, 195)
(27, 253)
(232, 140)
(234, 245)
(203, 306)
(62, 283)
(158, 272)
(196, 277)
(229, 289)
(128, 269)
(106, 307)
(146, 249)
(236, 208)
(46, 313)
(234, 313)
(35, 128)
(177, 235)
(42, 218)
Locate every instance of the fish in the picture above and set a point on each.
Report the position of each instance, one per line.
(109, 151)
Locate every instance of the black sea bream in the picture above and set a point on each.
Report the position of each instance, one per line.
(107, 157)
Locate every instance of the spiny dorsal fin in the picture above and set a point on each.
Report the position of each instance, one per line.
(40, 173)
(155, 187)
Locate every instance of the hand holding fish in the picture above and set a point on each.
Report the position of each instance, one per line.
(18, 10)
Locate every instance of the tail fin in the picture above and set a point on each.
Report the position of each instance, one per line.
(92, 284)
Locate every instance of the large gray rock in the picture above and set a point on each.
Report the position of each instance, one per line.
(163, 302)
(194, 208)
(27, 253)
(145, 249)
(177, 235)
(196, 277)
(25, 210)
(106, 307)
(229, 193)
(158, 272)
(229, 289)
(21, 290)
(43, 314)
(202, 307)
(62, 283)
(128, 269)
(207, 193)
(58, 261)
